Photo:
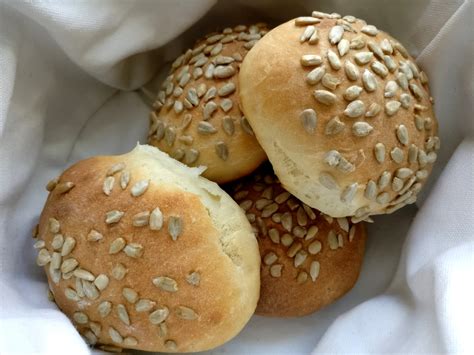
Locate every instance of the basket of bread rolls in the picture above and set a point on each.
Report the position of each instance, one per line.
(269, 149)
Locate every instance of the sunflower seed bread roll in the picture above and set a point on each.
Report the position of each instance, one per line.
(197, 118)
(308, 259)
(143, 253)
(343, 113)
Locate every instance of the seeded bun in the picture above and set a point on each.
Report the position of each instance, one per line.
(197, 117)
(309, 259)
(143, 253)
(343, 113)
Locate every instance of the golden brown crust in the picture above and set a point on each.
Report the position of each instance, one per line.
(228, 149)
(328, 169)
(227, 292)
(300, 289)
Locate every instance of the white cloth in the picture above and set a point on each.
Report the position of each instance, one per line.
(64, 71)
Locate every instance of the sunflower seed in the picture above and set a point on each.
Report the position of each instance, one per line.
(216, 49)
(319, 14)
(270, 258)
(373, 110)
(130, 295)
(158, 316)
(361, 129)
(302, 277)
(55, 262)
(210, 94)
(292, 204)
(370, 30)
(54, 225)
(130, 341)
(223, 72)
(115, 335)
(50, 186)
(71, 294)
(80, 318)
(260, 204)
(330, 82)
(141, 219)
(295, 247)
(299, 232)
(287, 221)
(178, 107)
(407, 186)
(228, 125)
(383, 198)
(246, 205)
(405, 69)
(363, 58)
(84, 274)
(165, 283)
(332, 240)
(209, 71)
(55, 275)
(308, 119)
(422, 174)
(186, 313)
(221, 150)
(40, 244)
(274, 235)
(119, 271)
(349, 192)
(310, 60)
(201, 90)
(314, 39)
(184, 79)
(79, 288)
(206, 128)
(325, 97)
(428, 123)
(390, 63)
(390, 89)
(300, 258)
(335, 34)
(402, 81)
(369, 81)
(384, 180)
(301, 217)
(275, 270)
(133, 250)
(188, 140)
(262, 226)
(357, 42)
(69, 265)
(170, 345)
(139, 188)
(191, 156)
(423, 78)
(220, 60)
(392, 107)
(90, 291)
(416, 91)
(379, 69)
(370, 190)
(397, 184)
(312, 231)
(352, 92)
(343, 47)
(96, 328)
(315, 75)
(94, 236)
(306, 20)
(226, 105)
(286, 240)
(57, 242)
(159, 134)
(397, 155)
(244, 123)
(307, 33)
(419, 122)
(214, 38)
(333, 60)
(402, 134)
(355, 109)
(413, 154)
(117, 245)
(64, 187)
(332, 158)
(226, 89)
(343, 223)
(101, 282)
(328, 181)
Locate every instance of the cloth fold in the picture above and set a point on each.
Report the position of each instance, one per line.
(66, 71)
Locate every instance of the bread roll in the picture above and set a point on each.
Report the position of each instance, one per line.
(197, 117)
(343, 113)
(143, 253)
(309, 259)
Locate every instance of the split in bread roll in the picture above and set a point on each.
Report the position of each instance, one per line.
(309, 259)
(197, 118)
(343, 113)
(143, 253)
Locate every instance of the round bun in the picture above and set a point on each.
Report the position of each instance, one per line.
(197, 118)
(343, 113)
(308, 259)
(143, 253)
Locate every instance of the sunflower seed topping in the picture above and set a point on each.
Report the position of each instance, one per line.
(357, 42)
(390, 89)
(71, 294)
(55, 261)
(389, 63)
(117, 245)
(223, 72)
(295, 247)
(206, 128)
(315, 75)
(228, 125)
(384, 180)
(286, 240)
(335, 34)
(80, 318)
(310, 60)
(416, 91)
(370, 30)
(84, 274)
(392, 107)
(260, 204)
(325, 97)
(165, 283)
(302, 277)
(40, 244)
(141, 219)
(287, 221)
(332, 240)
(333, 60)
(306, 20)
(209, 109)
(379, 69)
(269, 210)
(373, 110)
(402, 134)
(210, 94)
(281, 198)
(308, 119)
(133, 250)
(101, 282)
(334, 126)
(402, 81)
(226, 89)
(226, 105)
(328, 181)
(370, 190)
(355, 109)
(51, 185)
(397, 155)
(352, 92)
(307, 33)
(383, 198)
(57, 242)
(330, 82)
(314, 39)
(363, 58)
(369, 81)
(54, 225)
(115, 335)
(158, 316)
(349, 192)
(64, 187)
(90, 291)
(343, 47)
(361, 129)
(69, 265)
(221, 150)
(300, 258)
(397, 184)
(419, 122)
(270, 258)
(244, 123)
(94, 236)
